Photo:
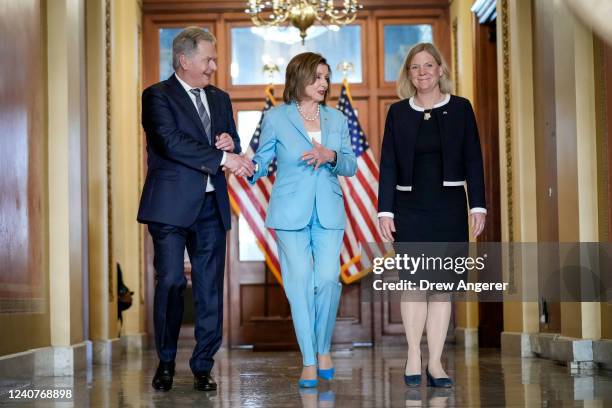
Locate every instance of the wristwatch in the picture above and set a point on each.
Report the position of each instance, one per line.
(256, 166)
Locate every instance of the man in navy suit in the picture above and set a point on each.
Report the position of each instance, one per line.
(191, 138)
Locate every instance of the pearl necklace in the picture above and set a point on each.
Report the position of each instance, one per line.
(309, 118)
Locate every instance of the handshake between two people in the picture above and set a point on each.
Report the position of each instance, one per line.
(239, 165)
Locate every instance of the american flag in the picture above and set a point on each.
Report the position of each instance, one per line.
(252, 200)
(360, 200)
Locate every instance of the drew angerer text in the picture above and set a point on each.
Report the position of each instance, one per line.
(423, 284)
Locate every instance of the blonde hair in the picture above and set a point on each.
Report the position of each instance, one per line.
(301, 72)
(405, 88)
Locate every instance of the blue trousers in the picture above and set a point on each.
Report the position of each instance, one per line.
(310, 264)
(205, 243)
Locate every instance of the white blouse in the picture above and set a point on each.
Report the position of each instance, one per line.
(315, 135)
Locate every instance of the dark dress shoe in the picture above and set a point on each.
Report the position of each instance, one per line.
(163, 376)
(441, 382)
(412, 380)
(204, 382)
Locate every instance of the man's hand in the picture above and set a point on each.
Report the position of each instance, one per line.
(477, 222)
(240, 166)
(386, 226)
(319, 155)
(224, 142)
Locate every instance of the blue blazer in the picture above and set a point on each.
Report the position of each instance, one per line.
(180, 160)
(298, 186)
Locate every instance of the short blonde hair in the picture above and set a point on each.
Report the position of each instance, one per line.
(405, 88)
(301, 72)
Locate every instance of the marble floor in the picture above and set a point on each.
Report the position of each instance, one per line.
(369, 377)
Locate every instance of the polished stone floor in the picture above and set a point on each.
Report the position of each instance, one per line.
(365, 378)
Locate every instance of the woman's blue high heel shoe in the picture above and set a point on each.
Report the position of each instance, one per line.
(442, 382)
(308, 383)
(326, 373)
(412, 380)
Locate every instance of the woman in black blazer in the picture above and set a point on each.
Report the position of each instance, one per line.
(430, 153)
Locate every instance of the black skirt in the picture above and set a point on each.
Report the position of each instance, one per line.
(435, 225)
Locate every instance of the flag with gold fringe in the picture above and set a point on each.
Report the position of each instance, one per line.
(360, 200)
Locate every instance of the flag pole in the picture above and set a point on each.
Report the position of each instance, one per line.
(270, 69)
(345, 67)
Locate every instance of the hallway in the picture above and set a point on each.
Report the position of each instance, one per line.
(78, 271)
(365, 378)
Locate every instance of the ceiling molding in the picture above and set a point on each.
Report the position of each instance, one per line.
(220, 6)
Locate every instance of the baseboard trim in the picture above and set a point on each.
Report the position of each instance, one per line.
(51, 361)
(466, 337)
(516, 344)
(107, 352)
(63, 361)
(602, 353)
(575, 353)
(135, 343)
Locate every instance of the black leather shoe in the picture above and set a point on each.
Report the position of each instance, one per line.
(163, 376)
(204, 382)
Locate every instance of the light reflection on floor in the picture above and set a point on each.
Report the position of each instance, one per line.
(364, 378)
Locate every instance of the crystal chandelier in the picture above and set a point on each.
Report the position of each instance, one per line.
(301, 13)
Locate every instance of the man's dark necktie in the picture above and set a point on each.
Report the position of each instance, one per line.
(202, 112)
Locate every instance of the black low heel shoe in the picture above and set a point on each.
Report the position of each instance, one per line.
(412, 380)
(442, 382)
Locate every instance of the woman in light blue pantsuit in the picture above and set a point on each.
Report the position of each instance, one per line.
(311, 144)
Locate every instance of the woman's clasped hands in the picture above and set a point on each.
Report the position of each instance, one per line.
(318, 155)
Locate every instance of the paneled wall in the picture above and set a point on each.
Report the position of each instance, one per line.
(24, 301)
(549, 123)
(603, 74)
(43, 205)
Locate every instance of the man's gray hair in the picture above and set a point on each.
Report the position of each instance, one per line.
(186, 42)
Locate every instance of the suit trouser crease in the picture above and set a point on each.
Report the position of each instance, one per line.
(310, 263)
(205, 244)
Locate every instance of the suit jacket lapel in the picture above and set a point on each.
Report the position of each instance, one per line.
(413, 117)
(296, 120)
(324, 125)
(440, 118)
(185, 101)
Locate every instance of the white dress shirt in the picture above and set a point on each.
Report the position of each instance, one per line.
(187, 87)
